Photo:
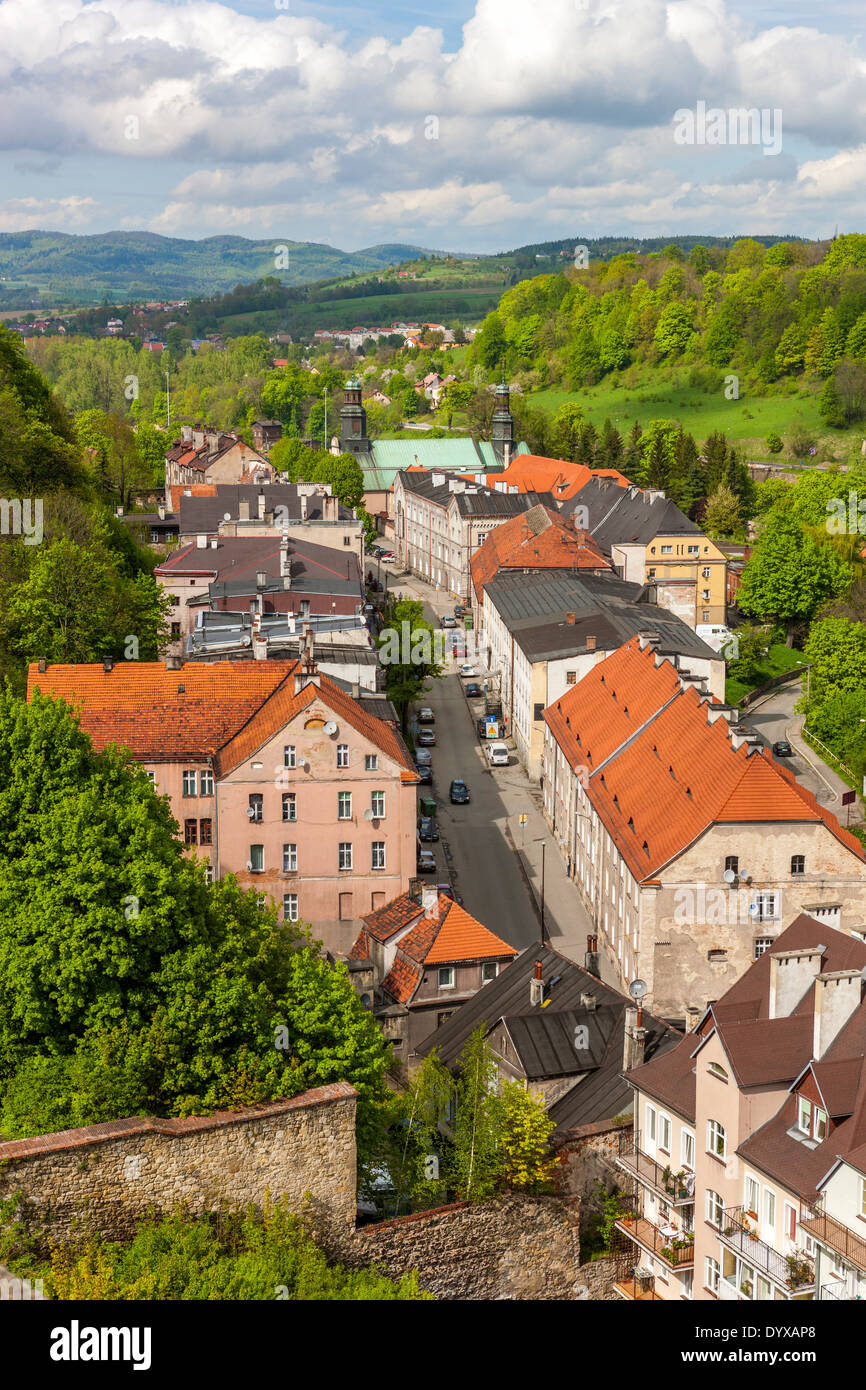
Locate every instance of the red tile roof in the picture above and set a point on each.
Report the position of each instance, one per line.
(448, 935)
(402, 980)
(538, 539)
(226, 710)
(659, 772)
(536, 473)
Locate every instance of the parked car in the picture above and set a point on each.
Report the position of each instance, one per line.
(426, 716)
(425, 772)
(782, 749)
(473, 690)
(467, 669)
(497, 754)
(427, 828)
(425, 738)
(459, 792)
(388, 558)
(423, 757)
(460, 610)
(426, 861)
(446, 890)
(449, 622)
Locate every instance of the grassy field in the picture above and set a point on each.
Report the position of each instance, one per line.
(372, 311)
(779, 659)
(746, 421)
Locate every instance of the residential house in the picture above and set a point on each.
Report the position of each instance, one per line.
(428, 956)
(688, 841)
(305, 511)
(540, 634)
(343, 644)
(746, 1163)
(266, 433)
(440, 522)
(650, 541)
(561, 478)
(274, 774)
(205, 455)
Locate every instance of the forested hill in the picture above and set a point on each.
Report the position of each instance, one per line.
(127, 265)
(794, 309)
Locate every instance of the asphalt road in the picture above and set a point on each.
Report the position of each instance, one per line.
(772, 719)
(486, 874)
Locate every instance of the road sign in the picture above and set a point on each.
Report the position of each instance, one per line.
(848, 798)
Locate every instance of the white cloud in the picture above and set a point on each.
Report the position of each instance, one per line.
(19, 214)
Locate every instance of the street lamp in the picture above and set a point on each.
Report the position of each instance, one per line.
(543, 844)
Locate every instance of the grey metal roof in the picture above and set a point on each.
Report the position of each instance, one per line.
(200, 515)
(545, 1041)
(477, 499)
(599, 1091)
(623, 515)
(535, 609)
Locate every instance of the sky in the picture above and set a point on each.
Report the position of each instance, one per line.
(469, 125)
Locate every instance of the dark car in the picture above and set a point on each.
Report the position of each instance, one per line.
(426, 716)
(426, 738)
(425, 774)
(473, 690)
(446, 890)
(427, 828)
(459, 792)
(459, 611)
(783, 749)
(426, 862)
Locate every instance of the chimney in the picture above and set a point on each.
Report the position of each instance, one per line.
(356, 690)
(161, 510)
(303, 501)
(693, 1017)
(536, 987)
(243, 511)
(634, 1042)
(173, 663)
(107, 664)
(591, 962)
(791, 974)
(43, 666)
(591, 643)
(588, 1002)
(430, 901)
(201, 542)
(571, 619)
(285, 565)
(837, 995)
(262, 501)
(261, 579)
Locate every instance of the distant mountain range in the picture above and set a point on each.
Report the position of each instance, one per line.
(131, 265)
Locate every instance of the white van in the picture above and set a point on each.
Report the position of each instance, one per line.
(497, 754)
(717, 636)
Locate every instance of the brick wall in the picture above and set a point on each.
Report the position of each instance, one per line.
(588, 1155)
(105, 1176)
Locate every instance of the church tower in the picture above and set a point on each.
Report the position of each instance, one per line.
(502, 430)
(353, 420)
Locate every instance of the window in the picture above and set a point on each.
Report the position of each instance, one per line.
(209, 874)
(151, 777)
(538, 711)
(711, 1274)
(571, 677)
(665, 1133)
(651, 574)
(819, 1128)
(290, 907)
(344, 806)
(256, 807)
(290, 859)
(687, 1150)
(345, 855)
(705, 572)
(767, 905)
(377, 804)
(863, 1197)
(290, 806)
(446, 977)
(769, 1208)
(790, 1221)
(189, 832)
(257, 859)
(347, 540)
(289, 756)
(345, 907)
(804, 1115)
(715, 1209)
(705, 616)
(732, 864)
(762, 944)
(716, 1069)
(207, 782)
(489, 971)
(377, 854)
(798, 865)
(716, 1139)
(371, 762)
(752, 1195)
(693, 550)
(175, 629)
(686, 1283)
(342, 755)
(667, 550)
(190, 783)
(651, 1124)
(205, 832)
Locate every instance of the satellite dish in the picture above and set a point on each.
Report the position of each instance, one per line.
(637, 989)
(753, 909)
(227, 516)
(331, 728)
(249, 866)
(730, 876)
(368, 815)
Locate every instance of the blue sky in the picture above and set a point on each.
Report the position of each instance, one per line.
(473, 126)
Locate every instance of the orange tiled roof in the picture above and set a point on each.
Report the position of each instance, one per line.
(360, 947)
(462, 938)
(447, 935)
(178, 490)
(402, 980)
(658, 772)
(537, 539)
(536, 473)
(393, 917)
(225, 710)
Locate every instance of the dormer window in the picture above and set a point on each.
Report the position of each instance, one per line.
(804, 1115)
(819, 1125)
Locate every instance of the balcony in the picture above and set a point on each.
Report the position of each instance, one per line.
(821, 1227)
(638, 1289)
(738, 1233)
(677, 1189)
(674, 1248)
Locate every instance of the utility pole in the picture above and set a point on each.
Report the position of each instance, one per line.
(543, 844)
(325, 442)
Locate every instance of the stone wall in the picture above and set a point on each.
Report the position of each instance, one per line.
(507, 1248)
(105, 1176)
(588, 1155)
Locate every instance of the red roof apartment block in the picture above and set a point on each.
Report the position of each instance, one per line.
(538, 539)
